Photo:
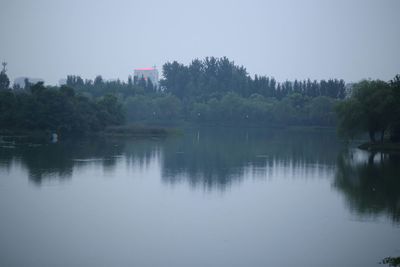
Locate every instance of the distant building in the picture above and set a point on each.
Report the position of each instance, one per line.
(349, 89)
(146, 73)
(20, 81)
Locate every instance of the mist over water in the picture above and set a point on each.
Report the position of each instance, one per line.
(93, 172)
(213, 197)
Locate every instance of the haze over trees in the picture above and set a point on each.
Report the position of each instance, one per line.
(56, 109)
(373, 108)
(217, 91)
(213, 77)
(211, 91)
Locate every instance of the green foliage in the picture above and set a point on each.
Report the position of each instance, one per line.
(395, 126)
(351, 118)
(373, 108)
(110, 110)
(8, 103)
(157, 108)
(392, 261)
(215, 90)
(321, 110)
(4, 81)
(202, 78)
(57, 109)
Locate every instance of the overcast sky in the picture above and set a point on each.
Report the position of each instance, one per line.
(314, 39)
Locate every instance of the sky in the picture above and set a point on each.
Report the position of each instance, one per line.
(285, 39)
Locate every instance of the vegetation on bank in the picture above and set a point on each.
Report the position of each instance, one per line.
(212, 91)
(57, 110)
(373, 108)
(216, 91)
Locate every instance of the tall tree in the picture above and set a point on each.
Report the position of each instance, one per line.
(4, 81)
(371, 109)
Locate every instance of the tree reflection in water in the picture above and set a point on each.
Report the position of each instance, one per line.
(207, 158)
(57, 161)
(370, 182)
(216, 158)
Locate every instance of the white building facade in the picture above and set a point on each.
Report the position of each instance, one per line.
(146, 73)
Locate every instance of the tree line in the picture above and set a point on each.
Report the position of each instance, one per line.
(213, 91)
(373, 108)
(56, 109)
(217, 91)
(213, 77)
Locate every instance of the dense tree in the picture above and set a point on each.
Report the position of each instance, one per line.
(350, 118)
(216, 90)
(57, 110)
(321, 111)
(165, 108)
(395, 126)
(203, 78)
(4, 81)
(372, 109)
(212, 90)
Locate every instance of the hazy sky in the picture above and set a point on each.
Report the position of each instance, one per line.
(316, 39)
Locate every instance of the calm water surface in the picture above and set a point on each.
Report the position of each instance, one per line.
(213, 197)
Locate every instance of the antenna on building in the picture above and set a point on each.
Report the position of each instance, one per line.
(4, 66)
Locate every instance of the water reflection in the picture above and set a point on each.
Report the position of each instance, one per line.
(215, 159)
(209, 158)
(57, 161)
(370, 182)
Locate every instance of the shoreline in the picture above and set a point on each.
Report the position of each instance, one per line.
(380, 147)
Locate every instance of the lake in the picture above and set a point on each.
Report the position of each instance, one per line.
(211, 197)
